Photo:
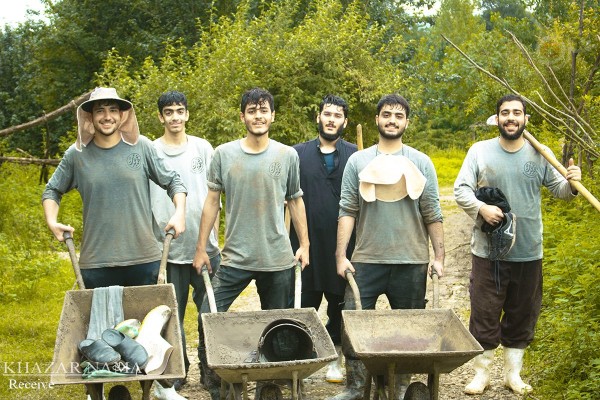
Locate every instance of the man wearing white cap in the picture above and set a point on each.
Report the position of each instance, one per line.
(506, 291)
(390, 193)
(110, 165)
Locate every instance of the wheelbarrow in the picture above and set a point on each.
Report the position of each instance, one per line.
(231, 336)
(422, 341)
(137, 302)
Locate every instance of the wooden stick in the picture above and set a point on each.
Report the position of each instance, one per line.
(359, 139)
(560, 168)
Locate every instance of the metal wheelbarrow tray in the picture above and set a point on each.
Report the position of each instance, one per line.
(230, 336)
(415, 341)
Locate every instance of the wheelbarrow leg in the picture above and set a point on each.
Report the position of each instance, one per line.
(95, 390)
(295, 386)
(380, 388)
(433, 382)
(367, 391)
(146, 385)
(392, 381)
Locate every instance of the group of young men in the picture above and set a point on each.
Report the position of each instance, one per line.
(372, 212)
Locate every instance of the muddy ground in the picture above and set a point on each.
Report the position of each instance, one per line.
(453, 294)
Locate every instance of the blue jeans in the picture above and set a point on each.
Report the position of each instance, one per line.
(130, 275)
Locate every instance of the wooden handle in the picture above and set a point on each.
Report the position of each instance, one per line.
(560, 168)
(210, 295)
(354, 287)
(74, 261)
(162, 271)
(436, 288)
(359, 138)
(298, 285)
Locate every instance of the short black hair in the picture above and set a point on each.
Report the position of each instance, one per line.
(336, 101)
(510, 97)
(393, 100)
(257, 96)
(169, 98)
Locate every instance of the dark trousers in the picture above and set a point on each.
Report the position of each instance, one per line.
(182, 276)
(507, 315)
(130, 275)
(404, 285)
(335, 304)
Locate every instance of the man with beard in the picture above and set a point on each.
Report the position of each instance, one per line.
(257, 174)
(506, 295)
(110, 165)
(390, 193)
(322, 163)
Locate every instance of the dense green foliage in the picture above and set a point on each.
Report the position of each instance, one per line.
(301, 50)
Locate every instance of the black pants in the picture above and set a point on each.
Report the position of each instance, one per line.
(507, 315)
(335, 303)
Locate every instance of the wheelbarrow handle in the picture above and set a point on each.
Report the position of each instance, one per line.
(74, 261)
(436, 288)
(162, 271)
(354, 287)
(210, 294)
(298, 285)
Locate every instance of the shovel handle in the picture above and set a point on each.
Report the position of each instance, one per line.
(298, 285)
(560, 168)
(436, 288)
(162, 271)
(210, 294)
(74, 261)
(354, 287)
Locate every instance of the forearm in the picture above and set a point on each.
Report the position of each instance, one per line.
(51, 208)
(298, 215)
(208, 220)
(436, 235)
(344, 232)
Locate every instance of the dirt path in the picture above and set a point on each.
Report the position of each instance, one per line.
(453, 294)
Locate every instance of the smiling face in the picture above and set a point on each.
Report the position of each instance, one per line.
(331, 122)
(511, 120)
(258, 118)
(173, 118)
(391, 121)
(106, 117)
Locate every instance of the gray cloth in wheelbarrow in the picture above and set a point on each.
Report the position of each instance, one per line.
(106, 311)
(231, 336)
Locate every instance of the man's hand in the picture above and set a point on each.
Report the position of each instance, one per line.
(58, 230)
(200, 259)
(342, 265)
(302, 256)
(177, 223)
(493, 215)
(438, 267)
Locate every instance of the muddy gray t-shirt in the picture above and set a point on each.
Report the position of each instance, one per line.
(520, 176)
(255, 187)
(119, 229)
(391, 232)
(191, 161)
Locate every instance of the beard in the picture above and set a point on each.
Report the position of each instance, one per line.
(392, 136)
(330, 137)
(511, 136)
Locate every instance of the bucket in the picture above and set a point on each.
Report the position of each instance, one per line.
(286, 340)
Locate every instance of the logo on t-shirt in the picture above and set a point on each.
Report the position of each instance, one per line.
(530, 169)
(275, 169)
(134, 161)
(197, 165)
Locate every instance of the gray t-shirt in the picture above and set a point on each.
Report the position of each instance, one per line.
(119, 229)
(191, 161)
(520, 176)
(255, 187)
(391, 232)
